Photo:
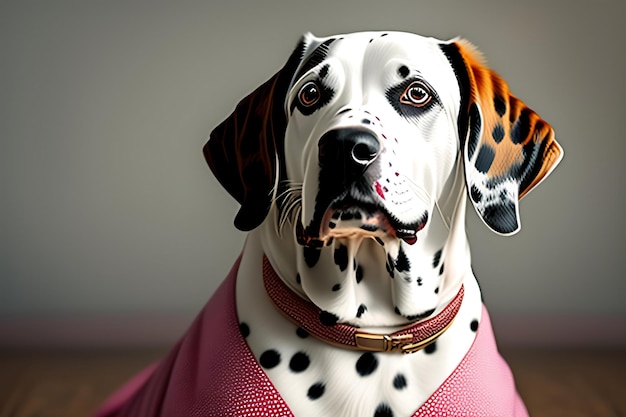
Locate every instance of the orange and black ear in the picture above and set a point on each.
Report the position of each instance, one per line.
(243, 150)
(507, 148)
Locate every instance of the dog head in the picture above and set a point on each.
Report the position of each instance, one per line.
(357, 144)
(359, 134)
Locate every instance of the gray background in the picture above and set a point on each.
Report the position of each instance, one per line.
(107, 208)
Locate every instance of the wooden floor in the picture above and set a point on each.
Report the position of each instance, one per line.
(72, 384)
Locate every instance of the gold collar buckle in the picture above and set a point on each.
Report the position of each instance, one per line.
(381, 342)
(386, 343)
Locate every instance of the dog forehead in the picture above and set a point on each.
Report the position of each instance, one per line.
(370, 52)
(388, 45)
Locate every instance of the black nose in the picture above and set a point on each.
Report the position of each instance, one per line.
(349, 150)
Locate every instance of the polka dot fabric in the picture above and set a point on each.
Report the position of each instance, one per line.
(212, 373)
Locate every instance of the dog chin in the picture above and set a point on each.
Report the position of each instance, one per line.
(357, 223)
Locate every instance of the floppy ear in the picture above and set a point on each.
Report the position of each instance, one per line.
(507, 148)
(242, 151)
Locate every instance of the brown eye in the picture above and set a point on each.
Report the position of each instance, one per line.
(416, 95)
(309, 94)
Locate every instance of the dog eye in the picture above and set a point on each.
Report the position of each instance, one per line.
(416, 95)
(309, 94)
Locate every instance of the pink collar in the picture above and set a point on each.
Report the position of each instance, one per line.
(307, 316)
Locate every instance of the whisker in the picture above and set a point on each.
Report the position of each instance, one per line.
(289, 203)
(418, 190)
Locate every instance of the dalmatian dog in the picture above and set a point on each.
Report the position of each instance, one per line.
(354, 293)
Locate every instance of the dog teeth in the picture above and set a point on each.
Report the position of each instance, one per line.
(409, 236)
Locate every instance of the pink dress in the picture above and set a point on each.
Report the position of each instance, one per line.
(211, 372)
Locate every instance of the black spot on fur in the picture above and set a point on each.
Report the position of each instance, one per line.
(380, 241)
(420, 281)
(441, 269)
(474, 325)
(403, 71)
(311, 256)
(299, 362)
(390, 265)
(383, 410)
(437, 290)
(430, 349)
(529, 168)
(437, 258)
(341, 257)
(484, 159)
(328, 319)
(366, 364)
(501, 217)
(347, 215)
(302, 334)
(423, 315)
(399, 382)
(269, 359)
(476, 195)
(359, 274)
(503, 196)
(500, 105)
(244, 329)
(474, 134)
(316, 390)
(336, 287)
(324, 71)
(366, 121)
(402, 263)
(498, 133)
(521, 129)
(362, 309)
(369, 227)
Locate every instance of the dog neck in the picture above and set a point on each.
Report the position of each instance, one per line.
(376, 284)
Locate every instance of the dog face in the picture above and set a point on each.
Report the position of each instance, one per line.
(371, 137)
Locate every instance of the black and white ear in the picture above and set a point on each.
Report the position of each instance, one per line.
(243, 150)
(507, 148)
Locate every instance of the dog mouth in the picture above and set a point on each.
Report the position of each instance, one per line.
(349, 217)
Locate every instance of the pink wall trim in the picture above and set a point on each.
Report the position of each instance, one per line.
(136, 331)
(132, 331)
(560, 331)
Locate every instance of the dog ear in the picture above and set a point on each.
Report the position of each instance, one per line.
(242, 151)
(507, 148)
